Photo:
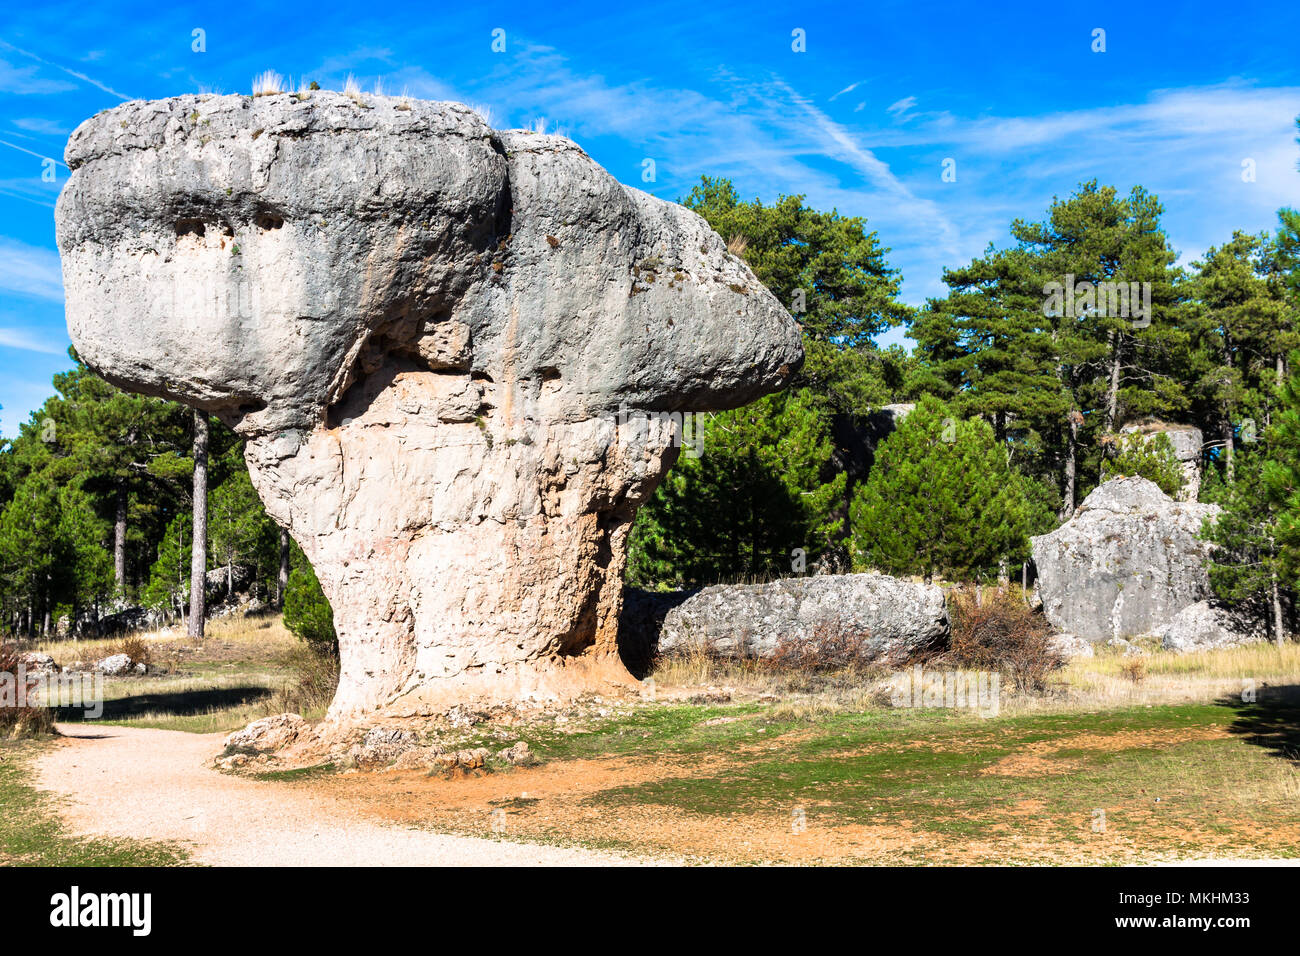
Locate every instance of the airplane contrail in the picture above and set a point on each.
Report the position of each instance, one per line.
(81, 76)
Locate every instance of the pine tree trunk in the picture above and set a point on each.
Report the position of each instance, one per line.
(119, 541)
(1277, 613)
(284, 569)
(199, 542)
(1112, 393)
(1229, 465)
(1071, 468)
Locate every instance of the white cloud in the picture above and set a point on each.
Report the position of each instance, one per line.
(901, 108)
(24, 81)
(30, 270)
(42, 126)
(29, 341)
(848, 89)
(73, 73)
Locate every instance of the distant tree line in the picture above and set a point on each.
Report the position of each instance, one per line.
(97, 512)
(1025, 371)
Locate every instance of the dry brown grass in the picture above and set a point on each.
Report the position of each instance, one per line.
(996, 631)
(1096, 683)
(1100, 681)
(312, 680)
(249, 632)
(26, 720)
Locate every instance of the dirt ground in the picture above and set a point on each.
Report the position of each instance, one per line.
(554, 802)
(146, 784)
(159, 785)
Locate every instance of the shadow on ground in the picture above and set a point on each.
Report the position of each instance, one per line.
(1272, 720)
(180, 704)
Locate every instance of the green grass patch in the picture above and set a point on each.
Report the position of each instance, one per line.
(298, 773)
(933, 770)
(32, 835)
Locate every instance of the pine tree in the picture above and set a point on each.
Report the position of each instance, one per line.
(29, 531)
(1241, 327)
(307, 612)
(110, 439)
(941, 499)
(240, 533)
(168, 587)
(1053, 377)
(1147, 456)
(741, 509)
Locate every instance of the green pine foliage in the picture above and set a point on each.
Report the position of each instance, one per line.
(239, 530)
(741, 509)
(307, 612)
(942, 500)
(168, 588)
(87, 450)
(1147, 456)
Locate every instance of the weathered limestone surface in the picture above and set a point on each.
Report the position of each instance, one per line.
(886, 615)
(1208, 626)
(1127, 561)
(425, 329)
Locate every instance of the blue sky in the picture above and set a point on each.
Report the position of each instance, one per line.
(862, 120)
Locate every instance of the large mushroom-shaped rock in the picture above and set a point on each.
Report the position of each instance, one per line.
(1127, 561)
(440, 342)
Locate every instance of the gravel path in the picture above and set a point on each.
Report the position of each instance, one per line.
(156, 785)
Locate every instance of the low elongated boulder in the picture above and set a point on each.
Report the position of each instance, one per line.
(1067, 645)
(1127, 561)
(115, 665)
(459, 358)
(268, 733)
(1207, 626)
(865, 616)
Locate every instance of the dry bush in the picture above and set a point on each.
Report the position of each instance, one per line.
(314, 677)
(20, 721)
(833, 646)
(737, 245)
(1000, 633)
(136, 648)
(1134, 669)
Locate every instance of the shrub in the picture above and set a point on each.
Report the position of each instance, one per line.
(20, 721)
(1148, 456)
(1135, 669)
(1001, 634)
(137, 649)
(833, 646)
(314, 681)
(307, 612)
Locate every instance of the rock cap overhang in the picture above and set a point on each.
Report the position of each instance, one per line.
(256, 256)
